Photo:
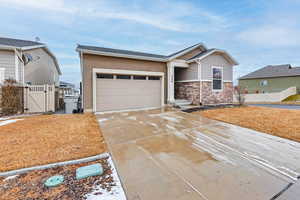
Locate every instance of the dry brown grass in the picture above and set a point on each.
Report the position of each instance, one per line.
(49, 138)
(280, 122)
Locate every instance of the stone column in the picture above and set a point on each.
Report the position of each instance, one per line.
(171, 98)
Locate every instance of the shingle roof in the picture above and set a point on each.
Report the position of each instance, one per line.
(17, 42)
(203, 53)
(274, 71)
(120, 51)
(173, 54)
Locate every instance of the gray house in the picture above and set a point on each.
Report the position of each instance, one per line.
(27, 62)
(116, 79)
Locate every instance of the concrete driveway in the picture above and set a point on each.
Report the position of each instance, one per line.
(167, 154)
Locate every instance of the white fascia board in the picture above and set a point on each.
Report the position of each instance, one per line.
(33, 47)
(234, 62)
(6, 47)
(187, 50)
(120, 55)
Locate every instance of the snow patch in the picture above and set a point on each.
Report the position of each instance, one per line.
(132, 118)
(9, 121)
(10, 177)
(116, 193)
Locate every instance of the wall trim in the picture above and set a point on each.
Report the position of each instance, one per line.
(131, 72)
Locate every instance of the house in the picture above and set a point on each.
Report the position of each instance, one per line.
(114, 79)
(271, 79)
(28, 62)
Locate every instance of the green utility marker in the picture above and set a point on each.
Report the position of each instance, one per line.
(90, 170)
(54, 181)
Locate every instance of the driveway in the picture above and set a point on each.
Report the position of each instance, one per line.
(167, 154)
(282, 106)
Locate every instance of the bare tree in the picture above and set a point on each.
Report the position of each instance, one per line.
(240, 94)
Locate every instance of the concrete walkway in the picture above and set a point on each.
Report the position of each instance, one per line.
(167, 154)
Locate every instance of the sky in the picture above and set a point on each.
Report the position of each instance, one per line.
(255, 32)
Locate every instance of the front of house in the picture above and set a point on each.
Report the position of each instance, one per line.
(116, 79)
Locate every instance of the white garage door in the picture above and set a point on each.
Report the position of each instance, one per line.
(122, 92)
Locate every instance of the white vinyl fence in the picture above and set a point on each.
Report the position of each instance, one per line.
(269, 97)
(39, 98)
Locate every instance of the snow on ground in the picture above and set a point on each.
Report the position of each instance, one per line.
(116, 193)
(9, 121)
(10, 177)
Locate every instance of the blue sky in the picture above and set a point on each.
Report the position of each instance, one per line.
(255, 32)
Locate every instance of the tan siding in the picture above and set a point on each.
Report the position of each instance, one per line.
(216, 60)
(190, 54)
(42, 70)
(190, 73)
(7, 61)
(106, 62)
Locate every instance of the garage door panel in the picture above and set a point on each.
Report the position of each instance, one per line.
(119, 94)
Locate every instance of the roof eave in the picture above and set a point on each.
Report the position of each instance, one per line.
(120, 55)
(187, 50)
(233, 61)
(7, 47)
(33, 47)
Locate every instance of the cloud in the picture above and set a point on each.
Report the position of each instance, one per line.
(271, 35)
(161, 14)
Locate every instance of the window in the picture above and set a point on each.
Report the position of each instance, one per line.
(217, 78)
(263, 83)
(123, 77)
(154, 78)
(105, 76)
(139, 77)
(2, 73)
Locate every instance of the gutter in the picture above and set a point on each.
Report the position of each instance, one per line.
(120, 55)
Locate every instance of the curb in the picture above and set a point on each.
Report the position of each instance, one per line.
(40, 167)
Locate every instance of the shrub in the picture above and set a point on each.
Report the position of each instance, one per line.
(11, 97)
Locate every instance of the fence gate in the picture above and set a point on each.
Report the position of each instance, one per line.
(39, 98)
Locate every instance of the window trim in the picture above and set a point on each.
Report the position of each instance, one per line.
(222, 78)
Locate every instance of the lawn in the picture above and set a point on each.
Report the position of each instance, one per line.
(47, 139)
(279, 122)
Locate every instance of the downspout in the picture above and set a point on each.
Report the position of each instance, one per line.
(82, 76)
(200, 82)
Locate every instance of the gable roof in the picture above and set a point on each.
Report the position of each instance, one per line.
(208, 52)
(135, 54)
(272, 71)
(10, 42)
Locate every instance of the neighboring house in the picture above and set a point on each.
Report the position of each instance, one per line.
(67, 89)
(27, 62)
(271, 79)
(116, 79)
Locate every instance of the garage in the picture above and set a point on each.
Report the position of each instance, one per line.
(117, 90)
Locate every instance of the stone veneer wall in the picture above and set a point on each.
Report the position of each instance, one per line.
(188, 90)
(210, 97)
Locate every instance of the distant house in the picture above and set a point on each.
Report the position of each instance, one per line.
(271, 79)
(27, 62)
(67, 89)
